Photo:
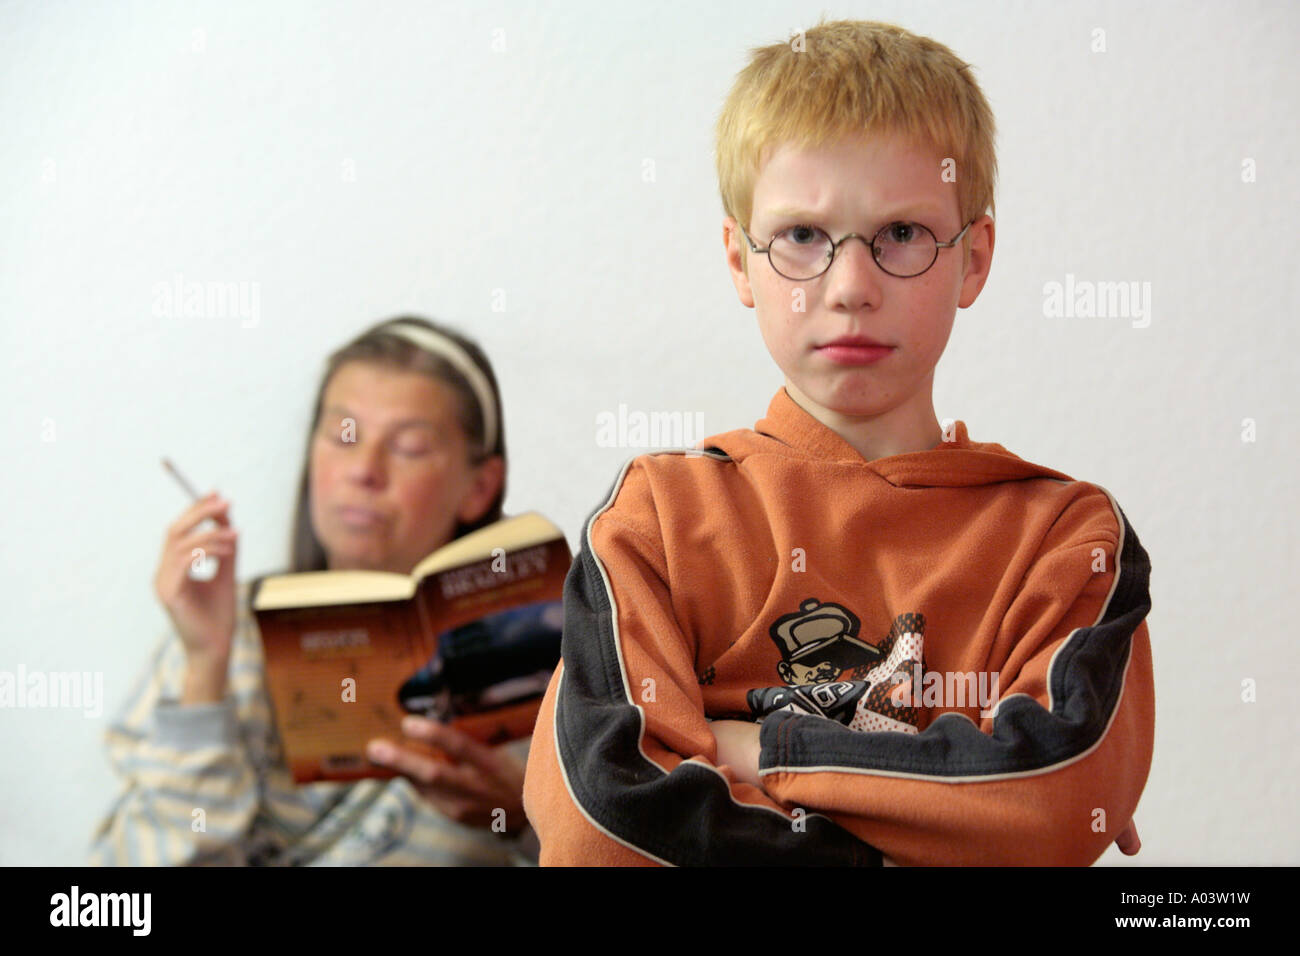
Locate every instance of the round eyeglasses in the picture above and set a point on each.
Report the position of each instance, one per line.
(902, 249)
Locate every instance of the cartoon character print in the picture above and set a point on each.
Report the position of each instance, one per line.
(831, 672)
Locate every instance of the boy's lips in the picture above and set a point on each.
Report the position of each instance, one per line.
(854, 350)
(863, 340)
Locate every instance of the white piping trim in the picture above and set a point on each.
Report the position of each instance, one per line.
(568, 785)
(1055, 656)
(622, 667)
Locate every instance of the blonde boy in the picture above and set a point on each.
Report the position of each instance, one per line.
(849, 634)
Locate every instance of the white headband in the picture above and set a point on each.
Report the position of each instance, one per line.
(439, 344)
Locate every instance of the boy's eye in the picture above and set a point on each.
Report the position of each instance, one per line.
(901, 232)
(803, 235)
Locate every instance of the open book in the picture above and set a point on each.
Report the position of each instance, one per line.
(470, 637)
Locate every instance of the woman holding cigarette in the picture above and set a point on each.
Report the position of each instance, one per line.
(422, 462)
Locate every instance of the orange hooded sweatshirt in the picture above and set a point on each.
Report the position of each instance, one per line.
(946, 650)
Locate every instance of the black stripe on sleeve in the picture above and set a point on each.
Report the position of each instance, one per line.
(687, 816)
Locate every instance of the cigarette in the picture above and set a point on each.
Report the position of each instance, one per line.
(180, 479)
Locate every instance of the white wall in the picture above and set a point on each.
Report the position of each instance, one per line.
(356, 160)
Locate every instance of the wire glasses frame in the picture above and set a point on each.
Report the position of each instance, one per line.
(874, 245)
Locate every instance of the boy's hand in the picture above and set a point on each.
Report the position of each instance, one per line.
(738, 748)
(483, 781)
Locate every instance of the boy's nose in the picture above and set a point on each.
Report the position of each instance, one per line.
(855, 246)
(854, 275)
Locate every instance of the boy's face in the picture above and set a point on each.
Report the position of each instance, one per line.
(858, 185)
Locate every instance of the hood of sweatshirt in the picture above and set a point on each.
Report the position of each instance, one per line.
(787, 429)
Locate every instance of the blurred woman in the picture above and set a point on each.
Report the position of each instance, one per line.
(405, 453)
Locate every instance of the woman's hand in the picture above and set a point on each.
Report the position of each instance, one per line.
(203, 612)
(485, 785)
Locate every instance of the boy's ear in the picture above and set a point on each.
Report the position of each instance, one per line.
(978, 262)
(732, 238)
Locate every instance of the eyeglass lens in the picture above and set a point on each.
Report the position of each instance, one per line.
(901, 248)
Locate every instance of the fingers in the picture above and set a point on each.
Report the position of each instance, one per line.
(467, 793)
(478, 770)
(174, 569)
(210, 506)
(456, 744)
(183, 537)
(434, 777)
(485, 788)
(183, 534)
(211, 540)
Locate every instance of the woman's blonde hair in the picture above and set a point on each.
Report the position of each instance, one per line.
(379, 344)
(853, 77)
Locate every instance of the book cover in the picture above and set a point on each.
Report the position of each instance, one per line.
(470, 637)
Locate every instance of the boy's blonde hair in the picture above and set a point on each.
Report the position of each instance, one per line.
(852, 77)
